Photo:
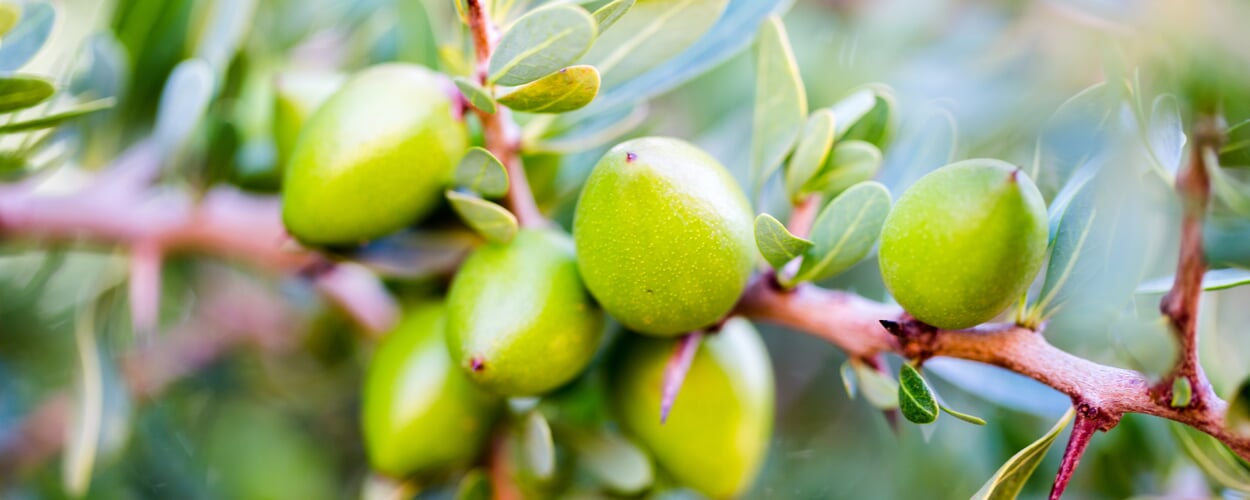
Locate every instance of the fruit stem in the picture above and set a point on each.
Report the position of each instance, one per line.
(503, 136)
(1180, 304)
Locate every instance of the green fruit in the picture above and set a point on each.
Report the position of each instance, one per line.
(416, 401)
(519, 321)
(664, 236)
(296, 97)
(254, 453)
(964, 243)
(374, 158)
(717, 433)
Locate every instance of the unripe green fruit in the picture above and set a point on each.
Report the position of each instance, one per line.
(519, 321)
(374, 158)
(420, 413)
(717, 433)
(664, 236)
(964, 243)
(296, 97)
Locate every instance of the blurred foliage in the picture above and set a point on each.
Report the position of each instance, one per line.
(964, 78)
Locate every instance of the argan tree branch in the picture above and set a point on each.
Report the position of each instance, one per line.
(118, 207)
(503, 137)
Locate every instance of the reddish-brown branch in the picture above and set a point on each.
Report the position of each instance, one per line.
(117, 207)
(853, 323)
(502, 135)
(804, 215)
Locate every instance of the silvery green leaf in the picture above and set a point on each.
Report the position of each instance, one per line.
(493, 222)
(877, 126)
(225, 24)
(540, 43)
(86, 425)
(23, 91)
(851, 108)
(1231, 193)
(915, 398)
(560, 92)
(649, 34)
(1215, 279)
(848, 379)
(1216, 460)
(24, 40)
(780, 101)
(615, 462)
(850, 163)
(845, 231)
(810, 154)
(184, 100)
(475, 94)
(972, 419)
(540, 451)
(1010, 478)
(878, 388)
(482, 173)
(1166, 133)
(1236, 148)
(776, 243)
(577, 132)
(607, 15)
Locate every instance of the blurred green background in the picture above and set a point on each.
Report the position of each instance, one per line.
(972, 78)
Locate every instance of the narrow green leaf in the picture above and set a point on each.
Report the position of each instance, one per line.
(1236, 148)
(1010, 478)
(776, 243)
(1229, 191)
(915, 398)
(649, 35)
(24, 40)
(493, 222)
(1215, 459)
(972, 419)
(223, 26)
(878, 388)
(1237, 418)
(476, 95)
(563, 91)
(850, 163)
(55, 119)
(780, 101)
(851, 108)
(540, 451)
(848, 378)
(811, 153)
(184, 101)
(21, 92)
(845, 231)
(1167, 133)
(10, 14)
(482, 173)
(85, 427)
(1182, 392)
(607, 15)
(541, 42)
(877, 126)
(475, 485)
(1215, 279)
(615, 462)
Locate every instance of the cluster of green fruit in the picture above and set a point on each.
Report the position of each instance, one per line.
(662, 240)
(523, 318)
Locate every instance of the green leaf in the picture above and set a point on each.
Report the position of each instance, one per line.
(776, 243)
(577, 132)
(1167, 133)
(1182, 392)
(810, 155)
(1215, 459)
(24, 41)
(21, 92)
(184, 101)
(475, 485)
(845, 231)
(55, 119)
(878, 388)
(9, 16)
(732, 32)
(482, 173)
(1215, 279)
(1236, 149)
(1237, 418)
(615, 462)
(565, 90)
(851, 108)
(915, 398)
(972, 419)
(493, 222)
(609, 14)
(652, 32)
(86, 426)
(1229, 191)
(780, 101)
(475, 94)
(848, 378)
(878, 124)
(541, 42)
(1010, 478)
(223, 26)
(540, 451)
(851, 163)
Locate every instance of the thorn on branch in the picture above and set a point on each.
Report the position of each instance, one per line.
(1088, 420)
